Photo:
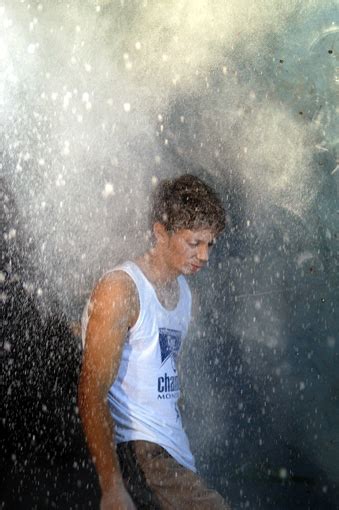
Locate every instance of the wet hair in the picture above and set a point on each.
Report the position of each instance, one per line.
(187, 202)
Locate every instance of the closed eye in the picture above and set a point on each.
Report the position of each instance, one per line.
(212, 243)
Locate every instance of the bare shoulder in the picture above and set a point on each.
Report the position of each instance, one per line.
(116, 293)
(113, 309)
(116, 284)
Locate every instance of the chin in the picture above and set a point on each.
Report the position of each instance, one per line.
(186, 270)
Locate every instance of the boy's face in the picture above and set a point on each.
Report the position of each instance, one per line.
(187, 251)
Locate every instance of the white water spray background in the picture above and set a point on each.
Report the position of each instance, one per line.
(98, 100)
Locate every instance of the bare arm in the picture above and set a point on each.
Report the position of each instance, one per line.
(113, 309)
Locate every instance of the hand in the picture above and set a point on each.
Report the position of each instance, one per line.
(117, 499)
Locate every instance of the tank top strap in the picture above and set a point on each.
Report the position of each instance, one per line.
(135, 273)
(144, 289)
(185, 293)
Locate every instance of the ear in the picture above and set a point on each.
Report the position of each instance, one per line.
(160, 233)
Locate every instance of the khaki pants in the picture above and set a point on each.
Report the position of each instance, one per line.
(156, 481)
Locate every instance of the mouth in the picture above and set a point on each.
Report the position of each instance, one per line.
(196, 267)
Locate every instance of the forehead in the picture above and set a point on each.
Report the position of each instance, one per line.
(204, 234)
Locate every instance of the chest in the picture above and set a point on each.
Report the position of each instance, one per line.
(168, 296)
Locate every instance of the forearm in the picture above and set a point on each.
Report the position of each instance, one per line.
(98, 427)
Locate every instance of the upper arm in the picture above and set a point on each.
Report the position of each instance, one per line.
(113, 309)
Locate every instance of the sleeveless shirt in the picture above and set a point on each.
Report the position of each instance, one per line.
(143, 399)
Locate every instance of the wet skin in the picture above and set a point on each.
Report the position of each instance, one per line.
(182, 252)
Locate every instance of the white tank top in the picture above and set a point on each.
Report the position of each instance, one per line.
(144, 396)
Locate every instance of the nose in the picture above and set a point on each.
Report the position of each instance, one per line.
(203, 252)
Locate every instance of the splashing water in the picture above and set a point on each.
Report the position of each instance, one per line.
(99, 100)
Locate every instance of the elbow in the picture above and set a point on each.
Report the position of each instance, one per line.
(91, 394)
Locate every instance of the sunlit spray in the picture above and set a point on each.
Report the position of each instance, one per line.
(99, 100)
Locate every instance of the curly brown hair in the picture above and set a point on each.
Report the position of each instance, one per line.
(187, 202)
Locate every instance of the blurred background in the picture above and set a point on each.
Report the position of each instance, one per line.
(98, 101)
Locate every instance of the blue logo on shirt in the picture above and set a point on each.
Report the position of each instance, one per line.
(170, 342)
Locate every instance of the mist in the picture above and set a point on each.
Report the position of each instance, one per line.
(101, 99)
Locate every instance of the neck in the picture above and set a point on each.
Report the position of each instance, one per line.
(156, 268)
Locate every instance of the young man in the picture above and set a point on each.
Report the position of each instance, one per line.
(133, 327)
